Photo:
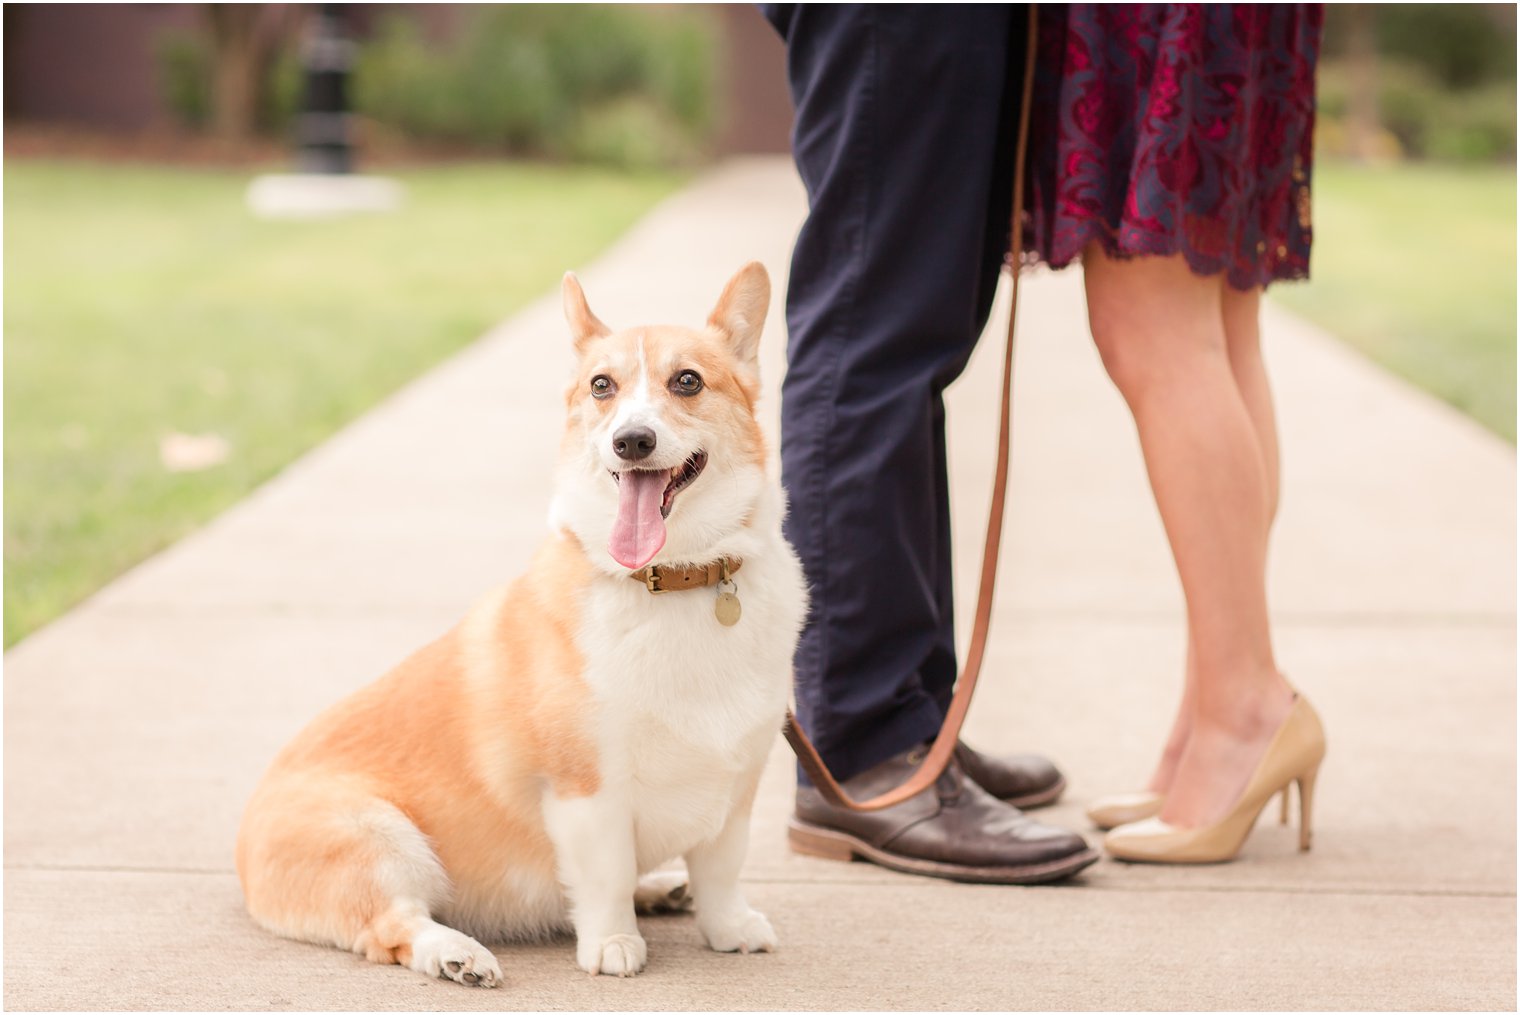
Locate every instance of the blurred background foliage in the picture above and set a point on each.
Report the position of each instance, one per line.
(631, 85)
(1421, 81)
(613, 85)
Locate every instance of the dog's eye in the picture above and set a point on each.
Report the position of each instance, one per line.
(687, 382)
(602, 386)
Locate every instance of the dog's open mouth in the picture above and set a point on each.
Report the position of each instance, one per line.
(644, 500)
(680, 478)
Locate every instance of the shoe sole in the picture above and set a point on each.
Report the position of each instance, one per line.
(832, 844)
(1043, 798)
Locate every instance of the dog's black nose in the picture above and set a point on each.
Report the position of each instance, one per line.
(634, 443)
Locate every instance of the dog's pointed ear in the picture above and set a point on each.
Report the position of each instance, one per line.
(740, 313)
(584, 325)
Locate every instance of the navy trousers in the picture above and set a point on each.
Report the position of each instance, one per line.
(904, 137)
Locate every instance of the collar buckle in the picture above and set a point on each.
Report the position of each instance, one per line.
(658, 579)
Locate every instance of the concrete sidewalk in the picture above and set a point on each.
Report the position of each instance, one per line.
(136, 726)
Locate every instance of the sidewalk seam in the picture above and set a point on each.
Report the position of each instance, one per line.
(924, 884)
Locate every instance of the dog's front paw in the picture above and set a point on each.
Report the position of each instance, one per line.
(743, 931)
(617, 955)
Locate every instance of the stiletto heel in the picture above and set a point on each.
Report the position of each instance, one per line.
(1306, 808)
(1282, 818)
(1294, 755)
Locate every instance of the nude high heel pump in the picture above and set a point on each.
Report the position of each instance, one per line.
(1126, 808)
(1293, 756)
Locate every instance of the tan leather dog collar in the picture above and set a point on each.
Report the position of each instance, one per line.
(663, 578)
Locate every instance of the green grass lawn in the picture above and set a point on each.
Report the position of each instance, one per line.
(141, 301)
(1415, 266)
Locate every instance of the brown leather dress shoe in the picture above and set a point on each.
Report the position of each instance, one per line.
(954, 829)
(1024, 780)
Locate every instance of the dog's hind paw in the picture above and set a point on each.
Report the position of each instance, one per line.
(443, 952)
(745, 931)
(617, 955)
(662, 892)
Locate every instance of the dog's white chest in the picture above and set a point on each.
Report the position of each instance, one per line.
(681, 793)
(690, 706)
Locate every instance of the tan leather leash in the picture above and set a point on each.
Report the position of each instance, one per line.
(944, 744)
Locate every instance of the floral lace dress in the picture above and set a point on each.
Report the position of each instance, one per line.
(1175, 129)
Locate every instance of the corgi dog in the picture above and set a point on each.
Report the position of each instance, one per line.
(578, 729)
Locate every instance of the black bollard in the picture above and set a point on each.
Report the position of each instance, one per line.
(324, 127)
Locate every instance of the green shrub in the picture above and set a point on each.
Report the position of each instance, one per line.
(1478, 126)
(473, 93)
(1460, 45)
(184, 76)
(281, 99)
(1410, 102)
(185, 60)
(543, 80)
(1426, 118)
(635, 133)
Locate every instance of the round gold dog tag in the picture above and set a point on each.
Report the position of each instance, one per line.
(727, 608)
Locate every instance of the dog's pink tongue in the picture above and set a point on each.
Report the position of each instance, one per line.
(639, 531)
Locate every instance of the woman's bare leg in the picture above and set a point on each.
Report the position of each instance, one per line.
(1161, 332)
(1240, 311)
(1182, 725)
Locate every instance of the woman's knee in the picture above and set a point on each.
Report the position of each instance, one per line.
(1150, 318)
(1119, 345)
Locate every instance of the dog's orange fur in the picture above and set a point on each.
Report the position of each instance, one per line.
(449, 737)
